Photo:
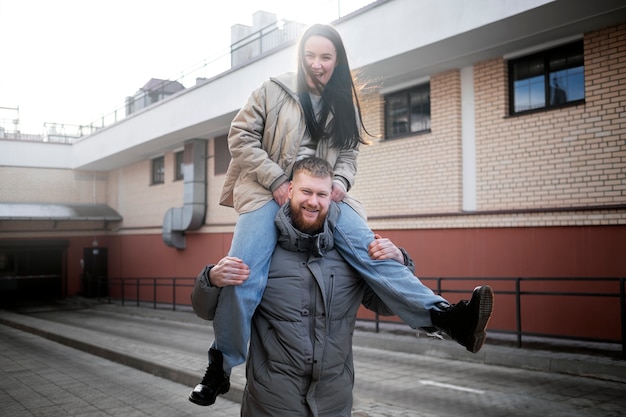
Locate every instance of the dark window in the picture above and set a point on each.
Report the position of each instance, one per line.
(179, 159)
(407, 112)
(222, 155)
(547, 79)
(158, 170)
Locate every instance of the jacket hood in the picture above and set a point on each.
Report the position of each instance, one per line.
(294, 240)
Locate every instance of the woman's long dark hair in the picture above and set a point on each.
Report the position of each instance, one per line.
(339, 96)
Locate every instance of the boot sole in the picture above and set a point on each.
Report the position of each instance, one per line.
(198, 401)
(484, 297)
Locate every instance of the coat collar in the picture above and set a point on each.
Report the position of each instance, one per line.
(288, 81)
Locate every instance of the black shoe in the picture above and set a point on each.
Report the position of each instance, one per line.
(214, 383)
(466, 321)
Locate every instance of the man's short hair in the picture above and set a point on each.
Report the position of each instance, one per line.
(315, 166)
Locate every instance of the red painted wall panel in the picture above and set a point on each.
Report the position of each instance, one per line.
(483, 253)
(148, 256)
(510, 252)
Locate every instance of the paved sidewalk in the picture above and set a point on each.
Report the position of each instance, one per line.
(39, 377)
(150, 352)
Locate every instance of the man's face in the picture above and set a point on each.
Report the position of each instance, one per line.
(309, 201)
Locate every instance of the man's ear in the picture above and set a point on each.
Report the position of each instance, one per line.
(290, 189)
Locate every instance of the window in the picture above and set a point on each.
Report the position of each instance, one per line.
(407, 112)
(547, 79)
(179, 159)
(222, 155)
(158, 170)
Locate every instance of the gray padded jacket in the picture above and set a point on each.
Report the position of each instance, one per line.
(300, 358)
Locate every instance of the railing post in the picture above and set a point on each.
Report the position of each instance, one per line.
(518, 312)
(137, 292)
(622, 302)
(154, 293)
(123, 286)
(173, 294)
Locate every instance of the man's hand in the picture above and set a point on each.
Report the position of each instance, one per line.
(383, 248)
(229, 271)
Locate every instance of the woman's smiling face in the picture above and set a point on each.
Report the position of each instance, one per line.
(320, 57)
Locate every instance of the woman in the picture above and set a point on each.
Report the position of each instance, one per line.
(315, 112)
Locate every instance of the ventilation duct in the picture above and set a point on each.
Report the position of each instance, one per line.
(190, 216)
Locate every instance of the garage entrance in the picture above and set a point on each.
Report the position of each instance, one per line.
(32, 270)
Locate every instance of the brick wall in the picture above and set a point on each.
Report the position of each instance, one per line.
(417, 174)
(544, 162)
(27, 185)
(141, 204)
(219, 218)
(568, 157)
(144, 206)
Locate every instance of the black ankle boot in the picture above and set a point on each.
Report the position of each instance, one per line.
(466, 321)
(215, 381)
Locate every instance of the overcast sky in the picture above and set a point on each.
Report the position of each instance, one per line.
(73, 61)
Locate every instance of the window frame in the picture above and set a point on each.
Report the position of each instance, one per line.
(179, 160)
(571, 50)
(419, 89)
(157, 170)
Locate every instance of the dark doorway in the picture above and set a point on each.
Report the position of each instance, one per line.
(95, 272)
(32, 270)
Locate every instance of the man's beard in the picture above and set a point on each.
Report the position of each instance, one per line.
(303, 225)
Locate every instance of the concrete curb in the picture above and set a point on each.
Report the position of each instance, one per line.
(600, 367)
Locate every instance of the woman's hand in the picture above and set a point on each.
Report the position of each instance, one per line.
(281, 194)
(383, 248)
(338, 192)
(229, 271)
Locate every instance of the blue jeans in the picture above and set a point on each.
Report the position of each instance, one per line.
(254, 241)
(392, 282)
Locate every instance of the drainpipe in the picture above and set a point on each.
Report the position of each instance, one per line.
(190, 216)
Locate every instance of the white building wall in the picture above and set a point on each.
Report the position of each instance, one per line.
(19, 153)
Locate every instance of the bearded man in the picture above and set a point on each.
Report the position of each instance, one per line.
(300, 361)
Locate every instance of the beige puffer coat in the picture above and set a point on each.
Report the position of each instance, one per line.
(264, 139)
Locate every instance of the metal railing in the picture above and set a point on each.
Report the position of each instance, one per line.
(164, 291)
(223, 60)
(276, 34)
(134, 290)
(518, 293)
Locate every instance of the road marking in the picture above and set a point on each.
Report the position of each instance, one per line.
(450, 386)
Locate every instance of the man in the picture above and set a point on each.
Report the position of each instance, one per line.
(300, 357)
